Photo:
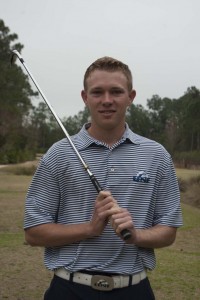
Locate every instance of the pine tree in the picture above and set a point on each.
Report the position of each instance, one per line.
(15, 103)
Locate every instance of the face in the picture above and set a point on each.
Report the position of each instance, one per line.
(107, 97)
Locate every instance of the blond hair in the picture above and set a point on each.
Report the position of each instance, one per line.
(109, 64)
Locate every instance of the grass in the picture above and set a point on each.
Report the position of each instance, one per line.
(27, 168)
(178, 268)
(24, 277)
(189, 183)
(186, 174)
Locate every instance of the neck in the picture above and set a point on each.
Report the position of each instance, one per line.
(107, 136)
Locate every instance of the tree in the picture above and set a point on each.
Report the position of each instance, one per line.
(188, 113)
(138, 119)
(164, 122)
(15, 103)
(44, 127)
(74, 124)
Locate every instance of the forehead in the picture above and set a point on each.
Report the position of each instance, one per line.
(101, 78)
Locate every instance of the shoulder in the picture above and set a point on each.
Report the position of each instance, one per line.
(146, 143)
(61, 152)
(151, 151)
(57, 148)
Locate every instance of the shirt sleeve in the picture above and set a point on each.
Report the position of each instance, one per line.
(42, 201)
(167, 207)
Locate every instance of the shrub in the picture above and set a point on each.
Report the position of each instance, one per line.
(187, 159)
(28, 170)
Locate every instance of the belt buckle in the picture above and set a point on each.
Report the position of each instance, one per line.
(102, 283)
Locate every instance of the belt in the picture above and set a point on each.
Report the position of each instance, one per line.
(101, 282)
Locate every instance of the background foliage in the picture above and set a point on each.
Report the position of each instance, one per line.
(26, 130)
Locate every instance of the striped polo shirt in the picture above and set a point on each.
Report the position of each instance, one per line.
(137, 171)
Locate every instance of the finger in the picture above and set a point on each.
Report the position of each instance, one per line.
(101, 203)
(108, 211)
(121, 220)
(120, 214)
(103, 194)
(125, 224)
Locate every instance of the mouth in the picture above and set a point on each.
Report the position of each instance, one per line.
(107, 111)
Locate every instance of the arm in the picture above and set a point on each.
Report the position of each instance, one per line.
(155, 237)
(52, 235)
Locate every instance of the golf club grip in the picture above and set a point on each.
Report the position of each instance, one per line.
(95, 183)
(124, 233)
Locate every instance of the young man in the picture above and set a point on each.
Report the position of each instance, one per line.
(79, 229)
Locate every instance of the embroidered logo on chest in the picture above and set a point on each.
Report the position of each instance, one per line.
(141, 176)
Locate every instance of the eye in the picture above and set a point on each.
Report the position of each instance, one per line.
(96, 93)
(117, 92)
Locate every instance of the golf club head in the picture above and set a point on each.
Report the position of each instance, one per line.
(14, 56)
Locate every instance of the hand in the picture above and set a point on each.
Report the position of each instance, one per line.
(121, 220)
(105, 207)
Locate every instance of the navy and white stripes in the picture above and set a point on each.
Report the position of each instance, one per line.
(140, 175)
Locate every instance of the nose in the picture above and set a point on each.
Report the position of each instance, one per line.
(107, 99)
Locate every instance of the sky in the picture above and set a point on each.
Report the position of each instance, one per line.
(158, 39)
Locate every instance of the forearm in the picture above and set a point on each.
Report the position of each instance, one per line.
(52, 235)
(155, 237)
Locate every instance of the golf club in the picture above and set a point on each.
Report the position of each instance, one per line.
(124, 233)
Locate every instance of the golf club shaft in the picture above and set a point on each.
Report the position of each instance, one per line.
(125, 233)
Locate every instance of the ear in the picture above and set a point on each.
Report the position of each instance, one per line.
(132, 95)
(84, 96)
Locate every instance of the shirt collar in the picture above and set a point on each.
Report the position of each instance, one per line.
(84, 140)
